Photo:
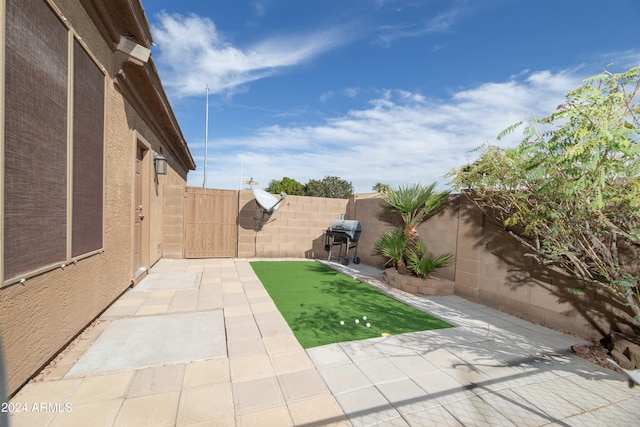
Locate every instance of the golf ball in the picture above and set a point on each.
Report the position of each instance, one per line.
(364, 317)
(357, 320)
(342, 322)
(368, 325)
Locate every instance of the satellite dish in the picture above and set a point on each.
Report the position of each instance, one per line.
(267, 201)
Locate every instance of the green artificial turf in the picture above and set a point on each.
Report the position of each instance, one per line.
(314, 298)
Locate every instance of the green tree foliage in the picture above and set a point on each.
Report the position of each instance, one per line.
(380, 187)
(330, 186)
(571, 189)
(287, 185)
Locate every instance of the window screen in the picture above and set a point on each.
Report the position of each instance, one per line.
(35, 183)
(88, 134)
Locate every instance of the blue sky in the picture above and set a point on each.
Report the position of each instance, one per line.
(391, 91)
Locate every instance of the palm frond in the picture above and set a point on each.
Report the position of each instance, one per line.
(415, 202)
(424, 262)
(391, 244)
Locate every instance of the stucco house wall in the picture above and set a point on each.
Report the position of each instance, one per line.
(40, 314)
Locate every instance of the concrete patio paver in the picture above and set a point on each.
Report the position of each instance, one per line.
(152, 340)
(201, 343)
(158, 379)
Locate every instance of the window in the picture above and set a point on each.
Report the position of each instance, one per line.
(35, 178)
(88, 131)
(36, 167)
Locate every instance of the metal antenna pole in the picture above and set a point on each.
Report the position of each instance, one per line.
(206, 138)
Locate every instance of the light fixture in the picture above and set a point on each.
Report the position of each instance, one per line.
(133, 50)
(160, 163)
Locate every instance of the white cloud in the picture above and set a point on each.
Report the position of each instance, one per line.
(400, 137)
(259, 7)
(351, 92)
(194, 53)
(439, 23)
(327, 96)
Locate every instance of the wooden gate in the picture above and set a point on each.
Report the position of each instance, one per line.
(210, 223)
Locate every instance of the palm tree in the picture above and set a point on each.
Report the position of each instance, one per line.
(423, 262)
(391, 244)
(415, 203)
(380, 187)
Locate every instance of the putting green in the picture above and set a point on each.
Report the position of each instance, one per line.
(314, 298)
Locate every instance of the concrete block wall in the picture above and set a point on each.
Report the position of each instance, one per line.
(493, 269)
(438, 233)
(173, 221)
(490, 266)
(295, 229)
(369, 210)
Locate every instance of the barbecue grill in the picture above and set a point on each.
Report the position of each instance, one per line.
(345, 234)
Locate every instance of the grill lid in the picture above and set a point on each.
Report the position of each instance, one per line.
(350, 227)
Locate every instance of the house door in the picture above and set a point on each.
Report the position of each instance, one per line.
(140, 247)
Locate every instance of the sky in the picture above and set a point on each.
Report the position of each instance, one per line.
(372, 91)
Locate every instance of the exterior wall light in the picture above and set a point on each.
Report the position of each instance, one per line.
(136, 52)
(160, 163)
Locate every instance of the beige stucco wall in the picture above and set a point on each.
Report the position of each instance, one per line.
(154, 187)
(39, 317)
